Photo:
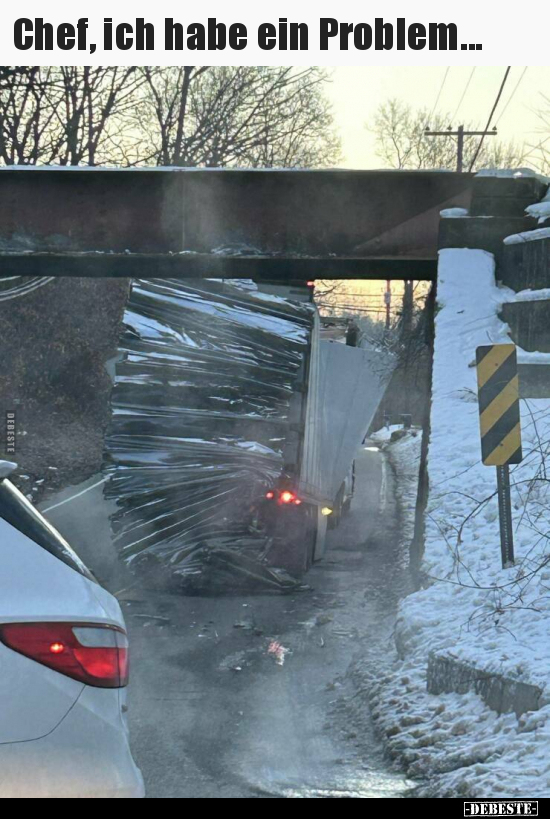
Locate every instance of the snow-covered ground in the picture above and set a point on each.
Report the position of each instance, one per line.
(472, 610)
(404, 454)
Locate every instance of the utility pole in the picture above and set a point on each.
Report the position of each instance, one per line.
(460, 133)
(387, 301)
(407, 316)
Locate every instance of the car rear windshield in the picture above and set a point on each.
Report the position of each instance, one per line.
(22, 515)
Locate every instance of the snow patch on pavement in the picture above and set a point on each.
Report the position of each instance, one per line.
(384, 435)
(405, 457)
(404, 454)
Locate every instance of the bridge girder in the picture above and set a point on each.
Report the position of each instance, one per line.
(264, 224)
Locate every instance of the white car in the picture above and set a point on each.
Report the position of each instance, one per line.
(63, 667)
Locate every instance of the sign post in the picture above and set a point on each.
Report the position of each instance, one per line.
(499, 409)
(505, 516)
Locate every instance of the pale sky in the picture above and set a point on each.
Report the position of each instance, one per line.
(357, 91)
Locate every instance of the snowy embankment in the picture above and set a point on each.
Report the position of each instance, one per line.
(404, 455)
(472, 611)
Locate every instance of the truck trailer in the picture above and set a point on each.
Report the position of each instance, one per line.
(234, 430)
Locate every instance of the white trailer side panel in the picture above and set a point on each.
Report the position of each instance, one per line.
(346, 385)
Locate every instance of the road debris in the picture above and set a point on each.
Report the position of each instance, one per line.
(234, 662)
(278, 651)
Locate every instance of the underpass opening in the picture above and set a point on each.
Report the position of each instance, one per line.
(398, 316)
(372, 232)
(385, 333)
(394, 315)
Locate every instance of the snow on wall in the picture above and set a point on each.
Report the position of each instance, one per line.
(510, 173)
(528, 236)
(540, 209)
(453, 213)
(533, 295)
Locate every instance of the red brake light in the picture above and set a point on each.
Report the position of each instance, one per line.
(270, 495)
(287, 496)
(96, 655)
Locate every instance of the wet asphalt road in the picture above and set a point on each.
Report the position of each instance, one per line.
(213, 714)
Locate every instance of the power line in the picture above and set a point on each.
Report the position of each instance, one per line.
(25, 288)
(442, 86)
(353, 307)
(491, 115)
(345, 294)
(365, 295)
(460, 133)
(512, 94)
(458, 107)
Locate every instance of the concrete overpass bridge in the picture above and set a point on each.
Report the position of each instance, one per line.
(270, 225)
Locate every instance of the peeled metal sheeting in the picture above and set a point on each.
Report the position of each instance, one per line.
(346, 387)
(200, 416)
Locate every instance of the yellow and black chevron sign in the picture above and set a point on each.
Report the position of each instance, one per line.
(498, 392)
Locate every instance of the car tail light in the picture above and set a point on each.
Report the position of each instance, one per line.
(270, 495)
(96, 655)
(287, 496)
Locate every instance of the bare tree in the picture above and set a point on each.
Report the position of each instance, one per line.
(92, 116)
(188, 115)
(8, 71)
(541, 149)
(255, 116)
(67, 115)
(401, 141)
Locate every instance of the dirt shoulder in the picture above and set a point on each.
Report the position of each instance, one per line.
(56, 343)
